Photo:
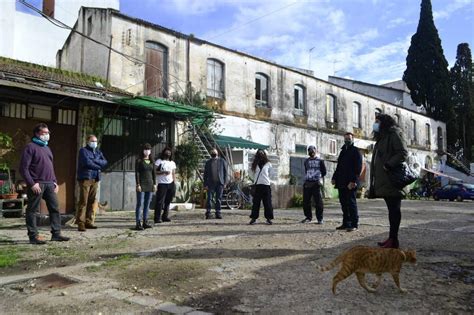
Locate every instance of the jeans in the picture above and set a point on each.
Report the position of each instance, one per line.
(394, 215)
(262, 193)
(47, 193)
(164, 196)
(350, 214)
(217, 192)
(87, 194)
(313, 192)
(146, 205)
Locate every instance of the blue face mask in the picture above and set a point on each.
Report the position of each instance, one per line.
(376, 127)
(92, 144)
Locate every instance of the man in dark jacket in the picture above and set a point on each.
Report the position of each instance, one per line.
(90, 163)
(36, 167)
(346, 180)
(215, 178)
(315, 170)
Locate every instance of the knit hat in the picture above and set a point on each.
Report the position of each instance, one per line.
(311, 147)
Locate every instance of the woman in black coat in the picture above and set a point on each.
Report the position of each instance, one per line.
(390, 150)
(146, 184)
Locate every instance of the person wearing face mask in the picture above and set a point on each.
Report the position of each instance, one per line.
(215, 178)
(145, 178)
(346, 180)
(390, 150)
(90, 163)
(315, 170)
(261, 173)
(165, 169)
(36, 167)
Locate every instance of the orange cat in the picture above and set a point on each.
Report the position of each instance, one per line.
(363, 259)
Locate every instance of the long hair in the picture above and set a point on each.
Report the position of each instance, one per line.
(260, 159)
(386, 122)
(141, 156)
(162, 155)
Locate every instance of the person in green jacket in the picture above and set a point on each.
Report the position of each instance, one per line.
(390, 150)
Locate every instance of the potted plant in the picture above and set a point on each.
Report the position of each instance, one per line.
(7, 189)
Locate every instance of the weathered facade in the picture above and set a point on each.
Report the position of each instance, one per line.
(258, 100)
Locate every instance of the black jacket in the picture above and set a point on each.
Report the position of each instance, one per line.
(349, 166)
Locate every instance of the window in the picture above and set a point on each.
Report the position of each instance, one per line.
(330, 108)
(89, 25)
(156, 70)
(356, 121)
(215, 78)
(440, 138)
(67, 117)
(261, 90)
(397, 119)
(299, 96)
(413, 131)
(428, 134)
(13, 110)
(40, 112)
(332, 147)
(301, 149)
(113, 127)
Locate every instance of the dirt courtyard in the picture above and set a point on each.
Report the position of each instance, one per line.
(197, 266)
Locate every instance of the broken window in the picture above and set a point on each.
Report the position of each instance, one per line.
(300, 95)
(215, 78)
(331, 108)
(261, 90)
(156, 70)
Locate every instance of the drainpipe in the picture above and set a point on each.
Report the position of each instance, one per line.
(188, 83)
(108, 61)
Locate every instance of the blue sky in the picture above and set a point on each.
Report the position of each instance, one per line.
(365, 40)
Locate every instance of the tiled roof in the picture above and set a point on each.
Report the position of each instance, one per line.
(53, 77)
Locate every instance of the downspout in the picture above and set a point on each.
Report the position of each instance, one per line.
(108, 61)
(188, 73)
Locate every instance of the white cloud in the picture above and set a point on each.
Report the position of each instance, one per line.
(194, 7)
(453, 6)
(396, 22)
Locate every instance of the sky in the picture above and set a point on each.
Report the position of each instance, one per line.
(365, 40)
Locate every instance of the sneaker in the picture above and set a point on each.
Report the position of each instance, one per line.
(91, 226)
(253, 221)
(157, 221)
(306, 220)
(341, 227)
(37, 240)
(59, 238)
(351, 229)
(218, 216)
(269, 222)
(165, 219)
(320, 222)
(146, 225)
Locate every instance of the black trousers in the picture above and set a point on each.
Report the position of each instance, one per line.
(394, 215)
(164, 196)
(350, 214)
(47, 193)
(312, 191)
(262, 193)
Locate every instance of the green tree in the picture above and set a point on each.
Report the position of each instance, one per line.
(427, 74)
(461, 83)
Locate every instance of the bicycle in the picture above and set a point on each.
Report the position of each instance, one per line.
(237, 197)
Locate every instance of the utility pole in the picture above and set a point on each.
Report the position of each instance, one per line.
(309, 57)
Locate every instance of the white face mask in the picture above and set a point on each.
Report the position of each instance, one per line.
(93, 144)
(376, 127)
(44, 138)
(146, 152)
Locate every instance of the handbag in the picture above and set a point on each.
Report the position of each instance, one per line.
(402, 175)
(253, 187)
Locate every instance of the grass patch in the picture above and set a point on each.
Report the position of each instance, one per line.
(8, 256)
(119, 260)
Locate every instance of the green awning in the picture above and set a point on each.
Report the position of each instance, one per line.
(176, 110)
(233, 142)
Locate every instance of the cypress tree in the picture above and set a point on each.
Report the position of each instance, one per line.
(427, 74)
(461, 84)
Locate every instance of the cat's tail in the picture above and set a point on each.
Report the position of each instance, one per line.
(331, 265)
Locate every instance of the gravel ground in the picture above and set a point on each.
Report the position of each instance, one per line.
(226, 266)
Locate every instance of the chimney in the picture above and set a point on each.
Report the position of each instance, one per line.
(48, 8)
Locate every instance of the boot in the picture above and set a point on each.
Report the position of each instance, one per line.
(139, 227)
(391, 243)
(146, 225)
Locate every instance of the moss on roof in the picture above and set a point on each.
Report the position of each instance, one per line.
(55, 75)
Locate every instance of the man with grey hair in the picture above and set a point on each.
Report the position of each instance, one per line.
(215, 178)
(90, 163)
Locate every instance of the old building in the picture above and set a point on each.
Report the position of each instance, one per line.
(258, 100)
